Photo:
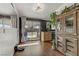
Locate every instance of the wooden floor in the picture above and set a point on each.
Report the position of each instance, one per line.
(41, 49)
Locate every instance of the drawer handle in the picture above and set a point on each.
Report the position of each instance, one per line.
(69, 41)
(70, 46)
(69, 50)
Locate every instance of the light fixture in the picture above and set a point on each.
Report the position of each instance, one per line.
(39, 7)
(26, 26)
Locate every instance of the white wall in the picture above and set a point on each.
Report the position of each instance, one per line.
(8, 40)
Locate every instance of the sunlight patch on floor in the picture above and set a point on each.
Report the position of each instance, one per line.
(29, 44)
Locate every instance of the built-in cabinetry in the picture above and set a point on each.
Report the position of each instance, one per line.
(68, 32)
(60, 33)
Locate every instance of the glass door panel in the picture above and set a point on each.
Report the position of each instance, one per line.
(69, 24)
(59, 25)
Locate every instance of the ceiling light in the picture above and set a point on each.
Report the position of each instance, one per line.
(39, 7)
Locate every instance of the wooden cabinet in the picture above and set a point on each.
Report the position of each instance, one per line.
(69, 32)
(46, 36)
(60, 33)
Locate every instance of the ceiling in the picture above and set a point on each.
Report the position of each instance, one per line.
(26, 9)
(6, 9)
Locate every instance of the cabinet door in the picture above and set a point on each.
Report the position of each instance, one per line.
(60, 43)
(70, 23)
(47, 36)
(71, 46)
(60, 24)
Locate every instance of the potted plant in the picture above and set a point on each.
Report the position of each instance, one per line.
(53, 22)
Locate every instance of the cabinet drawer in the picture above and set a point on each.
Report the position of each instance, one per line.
(72, 49)
(71, 45)
(68, 53)
(71, 41)
(71, 53)
(74, 44)
(60, 49)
